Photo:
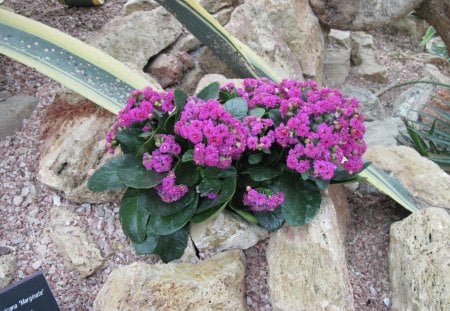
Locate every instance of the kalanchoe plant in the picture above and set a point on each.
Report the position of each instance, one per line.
(264, 151)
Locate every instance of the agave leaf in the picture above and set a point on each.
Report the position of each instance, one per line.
(78, 66)
(441, 113)
(428, 35)
(434, 139)
(419, 144)
(390, 186)
(234, 53)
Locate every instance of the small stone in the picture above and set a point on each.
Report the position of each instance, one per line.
(17, 200)
(373, 291)
(56, 200)
(25, 191)
(4, 250)
(36, 265)
(387, 301)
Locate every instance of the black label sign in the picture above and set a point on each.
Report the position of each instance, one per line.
(29, 294)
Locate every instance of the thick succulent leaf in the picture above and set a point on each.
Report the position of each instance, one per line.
(209, 213)
(210, 91)
(238, 108)
(262, 173)
(163, 225)
(106, 178)
(301, 199)
(270, 220)
(168, 247)
(239, 57)
(389, 185)
(248, 216)
(226, 193)
(187, 173)
(215, 172)
(133, 174)
(78, 66)
(134, 215)
(158, 207)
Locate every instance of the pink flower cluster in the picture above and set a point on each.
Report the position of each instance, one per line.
(321, 129)
(169, 191)
(218, 138)
(259, 202)
(259, 135)
(161, 159)
(140, 107)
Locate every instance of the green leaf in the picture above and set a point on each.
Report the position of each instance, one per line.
(168, 247)
(82, 68)
(275, 116)
(106, 177)
(215, 172)
(158, 207)
(210, 185)
(211, 91)
(187, 173)
(301, 199)
(270, 220)
(134, 215)
(257, 112)
(249, 217)
(341, 175)
(133, 174)
(237, 107)
(428, 35)
(163, 225)
(188, 155)
(228, 187)
(180, 99)
(129, 140)
(262, 173)
(255, 158)
(209, 213)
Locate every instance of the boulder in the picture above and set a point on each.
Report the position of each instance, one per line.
(363, 55)
(412, 100)
(224, 232)
(7, 269)
(411, 25)
(73, 241)
(265, 36)
(419, 261)
(307, 266)
(383, 132)
(214, 284)
(336, 65)
(139, 5)
(361, 15)
(169, 68)
(370, 104)
(136, 37)
(14, 111)
(74, 132)
(424, 179)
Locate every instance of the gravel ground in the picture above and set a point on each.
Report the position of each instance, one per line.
(25, 203)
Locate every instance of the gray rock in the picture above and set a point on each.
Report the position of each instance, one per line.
(383, 132)
(419, 261)
(433, 72)
(136, 37)
(223, 16)
(340, 37)
(7, 269)
(139, 5)
(410, 25)
(336, 66)
(191, 78)
(307, 266)
(370, 104)
(212, 6)
(414, 98)
(169, 68)
(424, 179)
(364, 57)
(74, 242)
(224, 232)
(361, 15)
(214, 284)
(14, 110)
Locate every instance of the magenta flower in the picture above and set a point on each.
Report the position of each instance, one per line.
(259, 202)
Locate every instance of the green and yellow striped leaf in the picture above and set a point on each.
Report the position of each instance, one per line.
(78, 66)
(238, 56)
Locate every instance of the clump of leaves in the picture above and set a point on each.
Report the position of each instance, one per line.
(430, 134)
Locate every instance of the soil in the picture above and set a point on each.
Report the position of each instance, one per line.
(25, 202)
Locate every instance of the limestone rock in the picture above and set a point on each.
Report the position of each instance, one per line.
(383, 132)
(224, 232)
(361, 15)
(191, 78)
(223, 16)
(137, 37)
(222, 80)
(424, 179)
(7, 269)
(410, 25)
(208, 62)
(340, 37)
(169, 68)
(212, 6)
(14, 111)
(412, 99)
(307, 266)
(265, 37)
(139, 5)
(75, 244)
(419, 261)
(370, 104)
(74, 142)
(435, 74)
(363, 56)
(336, 66)
(214, 284)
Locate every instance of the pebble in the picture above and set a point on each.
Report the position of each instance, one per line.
(373, 291)
(4, 250)
(17, 200)
(56, 200)
(25, 191)
(36, 265)
(387, 301)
